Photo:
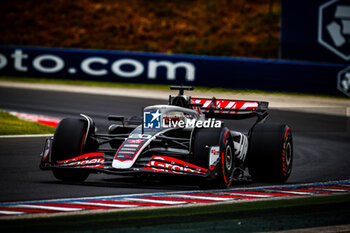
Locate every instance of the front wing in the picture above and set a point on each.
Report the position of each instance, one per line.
(100, 162)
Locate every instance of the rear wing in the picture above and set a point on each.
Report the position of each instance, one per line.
(229, 109)
(219, 108)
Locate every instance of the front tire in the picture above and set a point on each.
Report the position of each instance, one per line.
(68, 143)
(222, 173)
(270, 155)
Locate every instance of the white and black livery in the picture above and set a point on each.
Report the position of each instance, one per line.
(183, 138)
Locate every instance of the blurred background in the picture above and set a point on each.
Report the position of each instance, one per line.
(206, 27)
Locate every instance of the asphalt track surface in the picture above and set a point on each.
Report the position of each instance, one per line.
(321, 143)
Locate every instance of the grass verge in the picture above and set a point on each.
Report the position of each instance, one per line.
(248, 217)
(12, 125)
(154, 86)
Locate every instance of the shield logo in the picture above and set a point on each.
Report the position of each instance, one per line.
(334, 27)
(343, 81)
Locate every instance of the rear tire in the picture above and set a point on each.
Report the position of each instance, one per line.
(270, 155)
(68, 143)
(222, 173)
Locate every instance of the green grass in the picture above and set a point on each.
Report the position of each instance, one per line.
(155, 86)
(248, 216)
(12, 125)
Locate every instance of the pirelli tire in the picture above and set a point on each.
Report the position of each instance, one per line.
(68, 142)
(270, 154)
(222, 173)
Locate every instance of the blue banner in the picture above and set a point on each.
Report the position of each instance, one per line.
(151, 68)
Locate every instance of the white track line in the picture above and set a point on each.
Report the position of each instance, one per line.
(203, 197)
(332, 190)
(156, 201)
(48, 207)
(295, 192)
(95, 90)
(27, 136)
(104, 204)
(246, 195)
(10, 212)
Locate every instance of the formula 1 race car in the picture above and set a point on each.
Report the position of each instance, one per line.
(182, 138)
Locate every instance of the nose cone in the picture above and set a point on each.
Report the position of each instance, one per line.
(128, 153)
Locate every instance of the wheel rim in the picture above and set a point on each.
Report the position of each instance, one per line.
(288, 155)
(228, 158)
